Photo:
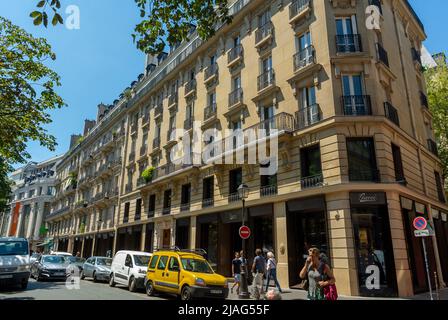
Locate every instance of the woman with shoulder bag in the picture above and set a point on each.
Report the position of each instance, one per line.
(321, 281)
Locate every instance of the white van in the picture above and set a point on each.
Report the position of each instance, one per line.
(129, 269)
(14, 261)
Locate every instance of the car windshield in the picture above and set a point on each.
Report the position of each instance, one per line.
(13, 248)
(104, 262)
(141, 261)
(75, 259)
(54, 259)
(196, 265)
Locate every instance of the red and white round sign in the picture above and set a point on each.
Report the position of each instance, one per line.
(244, 232)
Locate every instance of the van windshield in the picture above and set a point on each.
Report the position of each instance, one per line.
(141, 261)
(13, 248)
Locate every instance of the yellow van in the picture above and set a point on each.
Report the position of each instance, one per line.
(185, 273)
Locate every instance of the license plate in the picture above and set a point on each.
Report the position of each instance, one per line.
(59, 274)
(9, 276)
(216, 291)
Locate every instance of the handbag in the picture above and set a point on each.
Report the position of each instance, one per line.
(331, 293)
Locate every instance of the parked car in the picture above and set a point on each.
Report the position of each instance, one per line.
(60, 253)
(185, 273)
(14, 261)
(97, 268)
(50, 267)
(129, 269)
(76, 261)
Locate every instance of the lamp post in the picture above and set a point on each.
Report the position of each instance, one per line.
(243, 192)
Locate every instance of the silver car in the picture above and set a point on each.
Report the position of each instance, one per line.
(50, 267)
(97, 268)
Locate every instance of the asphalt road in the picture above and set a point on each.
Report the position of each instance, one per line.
(88, 290)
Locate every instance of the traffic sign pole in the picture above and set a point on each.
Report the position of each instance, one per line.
(427, 267)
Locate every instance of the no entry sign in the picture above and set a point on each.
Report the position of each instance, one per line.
(244, 232)
(420, 223)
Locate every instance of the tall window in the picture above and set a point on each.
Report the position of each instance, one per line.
(398, 163)
(347, 38)
(311, 166)
(439, 185)
(186, 194)
(127, 206)
(138, 209)
(235, 180)
(208, 190)
(362, 160)
(264, 18)
(167, 201)
(151, 205)
(354, 101)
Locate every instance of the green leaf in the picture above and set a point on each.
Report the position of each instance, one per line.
(38, 20)
(41, 4)
(45, 19)
(35, 14)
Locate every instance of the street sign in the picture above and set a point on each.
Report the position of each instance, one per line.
(420, 223)
(244, 232)
(422, 233)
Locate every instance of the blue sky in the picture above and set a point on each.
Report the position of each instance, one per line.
(99, 60)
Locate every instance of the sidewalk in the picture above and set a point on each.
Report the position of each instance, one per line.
(292, 294)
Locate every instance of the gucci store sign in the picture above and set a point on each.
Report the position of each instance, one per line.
(368, 198)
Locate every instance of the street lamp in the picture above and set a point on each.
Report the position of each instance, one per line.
(243, 192)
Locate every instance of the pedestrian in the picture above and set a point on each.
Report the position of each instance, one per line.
(78, 254)
(318, 274)
(271, 270)
(236, 272)
(258, 269)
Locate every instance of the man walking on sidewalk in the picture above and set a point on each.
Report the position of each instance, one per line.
(258, 269)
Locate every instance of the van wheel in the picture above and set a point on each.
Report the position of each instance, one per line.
(132, 285)
(186, 293)
(149, 288)
(111, 280)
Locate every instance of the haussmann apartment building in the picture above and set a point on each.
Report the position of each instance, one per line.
(357, 158)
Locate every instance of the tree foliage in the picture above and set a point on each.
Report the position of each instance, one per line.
(437, 83)
(27, 92)
(164, 22)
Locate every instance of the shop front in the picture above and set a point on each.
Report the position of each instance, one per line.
(306, 228)
(104, 243)
(129, 238)
(410, 210)
(77, 245)
(441, 229)
(63, 245)
(88, 245)
(373, 244)
(218, 234)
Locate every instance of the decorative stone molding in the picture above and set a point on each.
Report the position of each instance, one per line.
(344, 4)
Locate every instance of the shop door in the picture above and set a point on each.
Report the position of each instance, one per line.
(416, 256)
(305, 230)
(442, 244)
(373, 246)
(166, 241)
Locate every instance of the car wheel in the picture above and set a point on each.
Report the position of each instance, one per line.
(94, 277)
(132, 285)
(38, 277)
(24, 284)
(111, 280)
(149, 288)
(186, 293)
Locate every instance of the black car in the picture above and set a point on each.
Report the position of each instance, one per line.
(50, 267)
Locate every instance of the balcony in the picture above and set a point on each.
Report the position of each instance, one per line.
(424, 100)
(234, 197)
(364, 175)
(188, 123)
(283, 122)
(170, 137)
(151, 213)
(98, 197)
(131, 157)
(145, 120)
(348, 43)
(391, 113)
(266, 80)
(126, 218)
(210, 112)
(268, 191)
(190, 88)
(356, 105)
(235, 56)
(312, 181)
(308, 116)
(166, 211)
(134, 128)
(141, 182)
(236, 98)
(264, 35)
(156, 143)
(304, 58)
(211, 73)
(382, 55)
(128, 188)
(298, 10)
(207, 203)
(432, 147)
(185, 207)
